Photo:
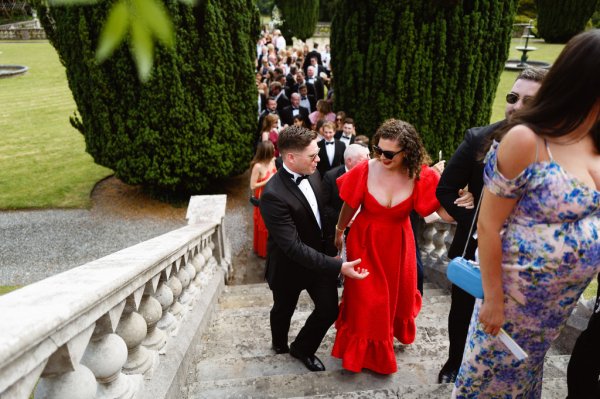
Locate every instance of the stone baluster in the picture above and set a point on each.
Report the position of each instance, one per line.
(427, 245)
(198, 261)
(439, 242)
(176, 287)
(165, 297)
(63, 376)
(191, 271)
(133, 329)
(106, 354)
(185, 299)
(151, 310)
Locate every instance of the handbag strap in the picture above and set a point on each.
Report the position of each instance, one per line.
(472, 224)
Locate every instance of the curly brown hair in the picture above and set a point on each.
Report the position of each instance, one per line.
(409, 141)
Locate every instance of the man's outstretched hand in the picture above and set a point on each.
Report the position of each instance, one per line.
(348, 270)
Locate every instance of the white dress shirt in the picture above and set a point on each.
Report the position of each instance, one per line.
(308, 192)
(345, 139)
(330, 149)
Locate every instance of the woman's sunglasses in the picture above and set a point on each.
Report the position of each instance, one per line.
(513, 98)
(387, 154)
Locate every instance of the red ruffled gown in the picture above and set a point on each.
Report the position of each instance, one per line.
(260, 230)
(384, 305)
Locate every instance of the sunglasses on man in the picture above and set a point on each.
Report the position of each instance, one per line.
(513, 98)
(387, 154)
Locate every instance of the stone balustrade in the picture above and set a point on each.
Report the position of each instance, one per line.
(115, 327)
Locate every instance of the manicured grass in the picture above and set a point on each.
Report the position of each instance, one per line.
(591, 290)
(43, 163)
(545, 52)
(5, 289)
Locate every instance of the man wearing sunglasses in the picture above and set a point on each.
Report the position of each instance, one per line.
(464, 169)
(292, 208)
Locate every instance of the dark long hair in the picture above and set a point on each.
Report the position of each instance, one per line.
(568, 93)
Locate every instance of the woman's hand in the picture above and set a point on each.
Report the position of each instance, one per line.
(339, 239)
(491, 315)
(465, 199)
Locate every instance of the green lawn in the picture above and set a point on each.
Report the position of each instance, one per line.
(43, 163)
(5, 289)
(545, 52)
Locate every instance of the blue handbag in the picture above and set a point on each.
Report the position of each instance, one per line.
(463, 272)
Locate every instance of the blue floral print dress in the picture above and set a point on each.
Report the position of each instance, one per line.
(550, 253)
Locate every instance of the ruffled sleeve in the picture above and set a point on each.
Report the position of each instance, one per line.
(425, 201)
(498, 184)
(352, 184)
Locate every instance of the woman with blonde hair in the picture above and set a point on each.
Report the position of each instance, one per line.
(269, 131)
(262, 169)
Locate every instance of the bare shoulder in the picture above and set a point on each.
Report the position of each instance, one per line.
(517, 151)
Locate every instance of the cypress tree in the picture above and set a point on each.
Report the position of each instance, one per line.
(560, 20)
(191, 123)
(299, 17)
(433, 63)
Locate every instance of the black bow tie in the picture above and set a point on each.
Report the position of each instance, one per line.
(346, 137)
(304, 98)
(330, 142)
(300, 178)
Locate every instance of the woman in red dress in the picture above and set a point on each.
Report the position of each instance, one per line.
(375, 310)
(263, 168)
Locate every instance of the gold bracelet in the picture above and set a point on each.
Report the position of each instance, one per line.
(338, 229)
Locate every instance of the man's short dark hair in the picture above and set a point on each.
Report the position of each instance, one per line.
(293, 69)
(302, 86)
(295, 138)
(533, 74)
(349, 121)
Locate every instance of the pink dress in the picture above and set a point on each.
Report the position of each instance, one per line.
(273, 137)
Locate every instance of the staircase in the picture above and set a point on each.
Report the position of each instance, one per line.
(234, 358)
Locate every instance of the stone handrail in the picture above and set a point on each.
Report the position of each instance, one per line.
(96, 331)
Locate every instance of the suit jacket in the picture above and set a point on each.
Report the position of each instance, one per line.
(287, 115)
(332, 205)
(295, 247)
(338, 156)
(338, 135)
(309, 55)
(319, 88)
(463, 169)
(282, 102)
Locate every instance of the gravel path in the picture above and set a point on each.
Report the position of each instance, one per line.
(37, 244)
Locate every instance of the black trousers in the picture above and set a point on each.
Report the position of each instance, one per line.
(459, 318)
(584, 366)
(323, 292)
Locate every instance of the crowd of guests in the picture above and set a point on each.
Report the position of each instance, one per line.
(332, 204)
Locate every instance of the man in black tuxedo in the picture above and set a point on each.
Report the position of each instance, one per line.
(307, 100)
(291, 207)
(314, 79)
(288, 113)
(277, 92)
(331, 151)
(332, 203)
(465, 168)
(314, 53)
(348, 132)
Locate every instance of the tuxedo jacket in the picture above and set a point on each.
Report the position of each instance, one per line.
(287, 115)
(463, 169)
(295, 247)
(317, 88)
(338, 156)
(332, 205)
(338, 135)
(282, 101)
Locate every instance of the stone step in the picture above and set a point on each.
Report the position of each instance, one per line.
(282, 376)
(263, 287)
(260, 295)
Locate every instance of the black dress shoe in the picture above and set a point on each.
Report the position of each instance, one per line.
(447, 376)
(312, 363)
(281, 349)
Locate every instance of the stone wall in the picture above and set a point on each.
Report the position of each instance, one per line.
(22, 34)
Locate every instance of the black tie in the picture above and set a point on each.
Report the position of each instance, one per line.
(303, 98)
(330, 142)
(347, 137)
(300, 178)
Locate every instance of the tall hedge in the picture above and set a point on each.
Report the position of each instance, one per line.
(433, 63)
(299, 17)
(191, 124)
(560, 20)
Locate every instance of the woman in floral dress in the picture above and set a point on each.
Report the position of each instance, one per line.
(538, 227)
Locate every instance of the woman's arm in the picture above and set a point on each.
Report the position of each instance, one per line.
(516, 152)
(345, 217)
(265, 136)
(255, 176)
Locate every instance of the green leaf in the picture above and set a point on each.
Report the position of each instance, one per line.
(142, 48)
(155, 16)
(113, 31)
(188, 2)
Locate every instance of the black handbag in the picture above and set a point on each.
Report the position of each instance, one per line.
(466, 273)
(254, 201)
